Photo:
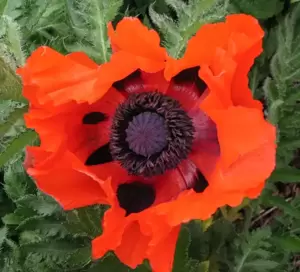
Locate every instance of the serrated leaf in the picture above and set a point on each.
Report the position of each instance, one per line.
(89, 19)
(191, 17)
(30, 237)
(2, 6)
(11, 219)
(10, 85)
(281, 89)
(260, 265)
(48, 227)
(108, 263)
(260, 8)
(286, 175)
(17, 145)
(17, 182)
(289, 243)
(13, 117)
(182, 260)
(181, 253)
(255, 251)
(80, 258)
(282, 204)
(85, 221)
(42, 204)
(3, 235)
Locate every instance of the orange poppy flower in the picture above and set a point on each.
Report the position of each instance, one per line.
(162, 141)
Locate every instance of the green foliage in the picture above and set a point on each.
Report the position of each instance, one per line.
(89, 20)
(261, 9)
(182, 261)
(69, 25)
(10, 42)
(37, 235)
(190, 17)
(283, 85)
(255, 253)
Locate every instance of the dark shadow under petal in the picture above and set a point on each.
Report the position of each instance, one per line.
(100, 156)
(200, 183)
(93, 118)
(191, 75)
(135, 197)
(131, 84)
(192, 176)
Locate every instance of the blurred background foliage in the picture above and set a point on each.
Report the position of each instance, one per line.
(258, 236)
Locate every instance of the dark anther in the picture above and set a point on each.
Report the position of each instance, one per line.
(93, 118)
(99, 156)
(150, 134)
(135, 197)
(201, 183)
(125, 84)
(191, 75)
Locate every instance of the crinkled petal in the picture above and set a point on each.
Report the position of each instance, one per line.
(51, 79)
(133, 247)
(241, 131)
(161, 256)
(65, 179)
(248, 173)
(236, 35)
(143, 44)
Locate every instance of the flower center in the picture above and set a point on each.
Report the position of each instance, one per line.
(150, 134)
(147, 134)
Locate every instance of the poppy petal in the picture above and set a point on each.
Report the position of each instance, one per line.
(136, 47)
(113, 229)
(50, 78)
(173, 182)
(143, 44)
(235, 177)
(240, 131)
(237, 35)
(62, 180)
(161, 255)
(246, 45)
(133, 247)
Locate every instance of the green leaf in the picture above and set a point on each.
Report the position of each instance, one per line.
(261, 265)
(85, 221)
(48, 227)
(108, 263)
(260, 8)
(289, 243)
(89, 20)
(17, 145)
(255, 252)
(11, 219)
(3, 235)
(282, 204)
(191, 17)
(181, 253)
(281, 88)
(42, 204)
(17, 182)
(2, 6)
(286, 175)
(182, 261)
(10, 84)
(80, 258)
(54, 252)
(11, 45)
(10, 121)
